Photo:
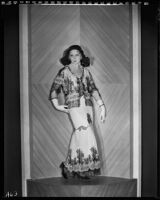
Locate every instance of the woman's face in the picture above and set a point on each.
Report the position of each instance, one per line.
(75, 56)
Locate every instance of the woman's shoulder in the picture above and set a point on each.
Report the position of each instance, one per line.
(87, 71)
(62, 70)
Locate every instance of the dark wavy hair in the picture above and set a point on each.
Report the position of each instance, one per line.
(85, 61)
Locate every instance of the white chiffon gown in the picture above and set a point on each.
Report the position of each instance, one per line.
(83, 157)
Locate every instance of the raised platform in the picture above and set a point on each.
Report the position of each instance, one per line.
(99, 186)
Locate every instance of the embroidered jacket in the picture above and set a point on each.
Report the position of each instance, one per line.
(74, 87)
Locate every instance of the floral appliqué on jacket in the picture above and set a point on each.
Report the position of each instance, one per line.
(74, 87)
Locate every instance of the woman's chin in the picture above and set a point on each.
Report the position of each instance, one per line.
(75, 63)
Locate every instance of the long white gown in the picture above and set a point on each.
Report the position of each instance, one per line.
(83, 157)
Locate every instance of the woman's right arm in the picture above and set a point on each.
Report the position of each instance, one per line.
(55, 90)
(62, 108)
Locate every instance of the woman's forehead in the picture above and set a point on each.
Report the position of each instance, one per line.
(74, 51)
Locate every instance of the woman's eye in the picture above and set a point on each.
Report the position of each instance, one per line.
(77, 55)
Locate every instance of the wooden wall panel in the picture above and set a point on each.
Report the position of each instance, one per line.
(53, 28)
(103, 32)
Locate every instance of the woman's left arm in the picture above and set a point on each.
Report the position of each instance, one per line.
(96, 95)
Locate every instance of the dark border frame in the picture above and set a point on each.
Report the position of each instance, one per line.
(12, 132)
(149, 78)
(150, 106)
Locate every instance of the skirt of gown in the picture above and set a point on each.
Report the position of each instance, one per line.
(82, 157)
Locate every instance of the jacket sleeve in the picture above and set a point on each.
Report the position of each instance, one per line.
(93, 90)
(56, 85)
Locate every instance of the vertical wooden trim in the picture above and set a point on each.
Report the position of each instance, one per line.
(24, 96)
(30, 89)
(136, 96)
(131, 88)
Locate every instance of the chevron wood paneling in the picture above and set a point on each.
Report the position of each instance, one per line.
(52, 29)
(103, 32)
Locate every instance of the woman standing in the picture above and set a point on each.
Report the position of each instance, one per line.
(78, 87)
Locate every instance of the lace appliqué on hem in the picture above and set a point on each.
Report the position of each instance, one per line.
(80, 163)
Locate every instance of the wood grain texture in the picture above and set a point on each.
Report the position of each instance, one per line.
(96, 187)
(103, 32)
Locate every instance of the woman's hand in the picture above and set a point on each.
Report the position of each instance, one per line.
(103, 110)
(62, 108)
(102, 113)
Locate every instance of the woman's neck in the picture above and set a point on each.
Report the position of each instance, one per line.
(77, 70)
(75, 67)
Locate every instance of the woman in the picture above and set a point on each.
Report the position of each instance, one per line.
(78, 87)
